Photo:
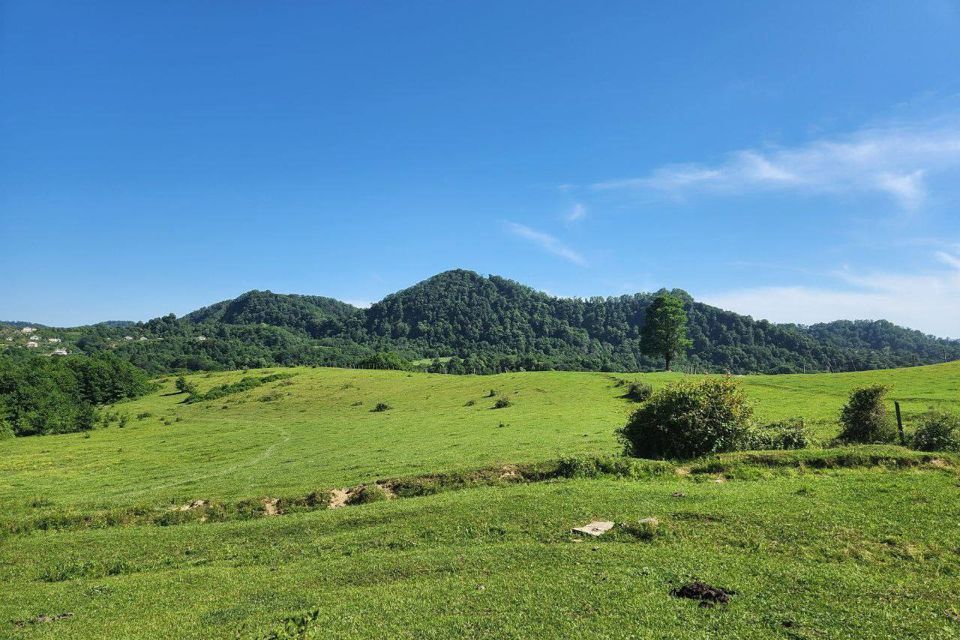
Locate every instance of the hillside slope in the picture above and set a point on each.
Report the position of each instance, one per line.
(480, 324)
(183, 523)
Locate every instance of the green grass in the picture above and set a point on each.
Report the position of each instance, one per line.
(857, 542)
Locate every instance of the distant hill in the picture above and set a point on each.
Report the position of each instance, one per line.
(473, 323)
(305, 314)
(19, 324)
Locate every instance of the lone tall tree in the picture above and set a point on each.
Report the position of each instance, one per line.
(665, 329)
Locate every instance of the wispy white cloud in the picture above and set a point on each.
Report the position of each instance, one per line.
(546, 242)
(894, 160)
(577, 212)
(928, 301)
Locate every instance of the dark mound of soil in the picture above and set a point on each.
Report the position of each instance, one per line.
(708, 595)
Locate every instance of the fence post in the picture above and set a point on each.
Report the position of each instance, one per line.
(903, 440)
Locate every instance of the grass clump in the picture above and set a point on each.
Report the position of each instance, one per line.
(690, 419)
(604, 466)
(864, 418)
(381, 407)
(639, 392)
(785, 434)
(502, 403)
(369, 493)
(293, 628)
(645, 529)
(938, 431)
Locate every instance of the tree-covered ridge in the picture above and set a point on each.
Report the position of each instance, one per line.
(304, 314)
(467, 323)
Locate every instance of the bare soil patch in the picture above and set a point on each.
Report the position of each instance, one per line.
(43, 619)
(708, 595)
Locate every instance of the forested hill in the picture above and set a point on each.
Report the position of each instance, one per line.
(464, 322)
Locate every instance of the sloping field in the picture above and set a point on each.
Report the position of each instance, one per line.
(847, 543)
(317, 429)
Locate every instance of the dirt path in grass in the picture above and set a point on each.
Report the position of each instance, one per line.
(260, 457)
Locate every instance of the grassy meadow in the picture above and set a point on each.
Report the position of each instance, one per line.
(860, 544)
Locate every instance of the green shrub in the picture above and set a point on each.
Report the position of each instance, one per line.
(385, 360)
(639, 392)
(864, 418)
(185, 387)
(785, 434)
(6, 431)
(381, 406)
(368, 493)
(689, 419)
(645, 529)
(502, 403)
(938, 431)
(294, 627)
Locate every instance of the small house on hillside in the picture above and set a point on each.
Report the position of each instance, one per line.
(59, 352)
(27, 330)
(32, 344)
(54, 340)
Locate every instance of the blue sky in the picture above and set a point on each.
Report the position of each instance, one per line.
(794, 161)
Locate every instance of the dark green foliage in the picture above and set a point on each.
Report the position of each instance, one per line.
(381, 406)
(502, 403)
(938, 431)
(664, 332)
(368, 493)
(40, 395)
(639, 392)
(186, 387)
(689, 419)
(244, 384)
(384, 360)
(6, 431)
(465, 323)
(786, 434)
(864, 419)
(307, 315)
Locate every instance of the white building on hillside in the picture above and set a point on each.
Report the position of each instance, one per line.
(27, 330)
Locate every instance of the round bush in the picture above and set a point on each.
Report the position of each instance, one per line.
(938, 431)
(864, 418)
(690, 419)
